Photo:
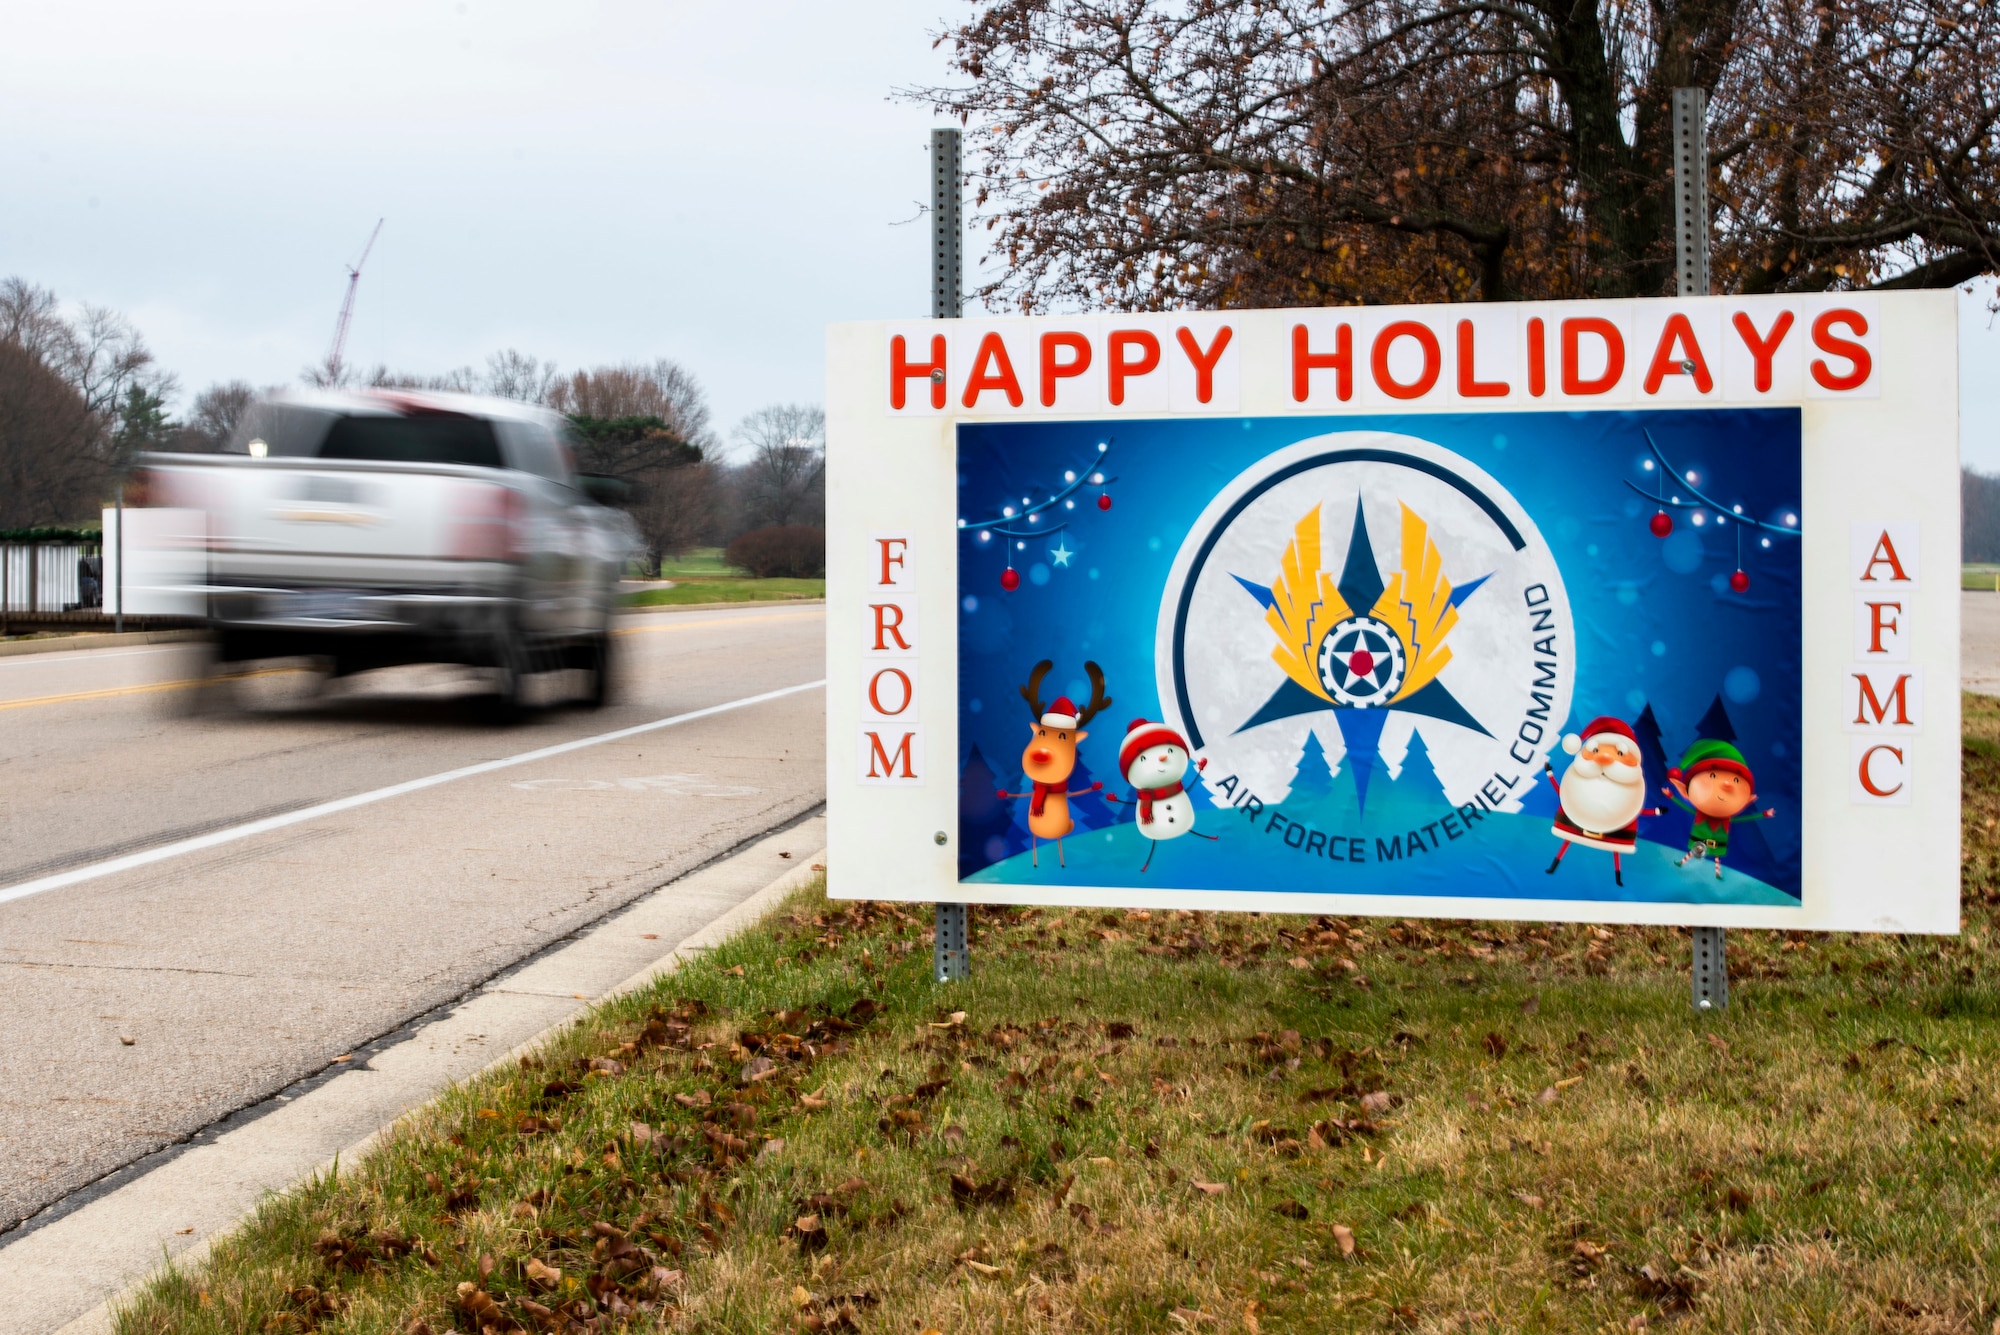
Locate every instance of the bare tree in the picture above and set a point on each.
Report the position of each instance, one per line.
(663, 388)
(1149, 154)
(783, 479)
(99, 352)
(53, 464)
(212, 418)
(512, 374)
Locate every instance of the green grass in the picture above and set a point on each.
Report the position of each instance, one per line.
(697, 562)
(1171, 1121)
(701, 576)
(1982, 577)
(743, 590)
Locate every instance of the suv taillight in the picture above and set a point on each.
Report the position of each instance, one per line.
(486, 523)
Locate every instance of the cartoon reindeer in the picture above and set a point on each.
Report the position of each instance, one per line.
(1050, 756)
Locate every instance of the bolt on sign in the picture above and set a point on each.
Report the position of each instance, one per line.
(1607, 611)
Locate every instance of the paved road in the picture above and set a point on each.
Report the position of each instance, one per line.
(239, 968)
(1979, 641)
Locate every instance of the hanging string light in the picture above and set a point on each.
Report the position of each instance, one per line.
(1702, 507)
(1017, 523)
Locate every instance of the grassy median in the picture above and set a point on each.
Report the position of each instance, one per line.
(727, 589)
(1187, 1122)
(702, 576)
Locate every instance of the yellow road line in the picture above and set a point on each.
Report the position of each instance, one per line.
(144, 689)
(105, 694)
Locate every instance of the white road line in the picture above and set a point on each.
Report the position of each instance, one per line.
(58, 657)
(215, 838)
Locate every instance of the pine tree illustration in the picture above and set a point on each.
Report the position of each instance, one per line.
(1089, 810)
(1671, 826)
(1715, 725)
(1312, 778)
(1419, 779)
(982, 817)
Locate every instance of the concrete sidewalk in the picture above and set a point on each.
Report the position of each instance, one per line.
(61, 1270)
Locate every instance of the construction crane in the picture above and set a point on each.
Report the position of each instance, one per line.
(347, 307)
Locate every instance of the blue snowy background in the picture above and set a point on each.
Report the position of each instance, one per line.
(1662, 642)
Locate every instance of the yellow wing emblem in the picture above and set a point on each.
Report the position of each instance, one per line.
(1417, 606)
(1304, 606)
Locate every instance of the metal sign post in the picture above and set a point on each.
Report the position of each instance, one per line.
(951, 956)
(1711, 957)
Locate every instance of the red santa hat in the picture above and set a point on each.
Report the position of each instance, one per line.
(1139, 735)
(1599, 727)
(1061, 713)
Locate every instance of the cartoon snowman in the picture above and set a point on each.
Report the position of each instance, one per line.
(1154, 759)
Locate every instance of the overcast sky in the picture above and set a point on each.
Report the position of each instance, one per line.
(586, 182)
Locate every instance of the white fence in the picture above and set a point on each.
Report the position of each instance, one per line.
(44, 577)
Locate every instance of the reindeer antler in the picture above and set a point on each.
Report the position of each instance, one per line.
(1032, 692)
(1099, 701)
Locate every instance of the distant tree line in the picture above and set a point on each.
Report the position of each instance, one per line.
(81, 394)
(1979, 517)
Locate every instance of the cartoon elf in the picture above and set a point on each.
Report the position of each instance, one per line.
(1716, 785)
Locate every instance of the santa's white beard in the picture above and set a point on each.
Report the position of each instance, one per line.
(1601, 799)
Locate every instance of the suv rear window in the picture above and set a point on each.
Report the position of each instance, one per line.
(298, 431)
(414, 440)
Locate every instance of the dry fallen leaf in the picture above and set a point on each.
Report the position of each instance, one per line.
(543, 1275)
(1299, 962)
(1210, 1188)
(649, 936)
(1376, 1103)
(128, 1042)
(1529, 1199)
(1344, 1235)
(1548, 1095)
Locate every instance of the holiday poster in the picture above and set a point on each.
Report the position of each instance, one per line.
(1537, 656)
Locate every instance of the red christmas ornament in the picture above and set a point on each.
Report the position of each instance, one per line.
(1104, 501)
(1661, 523)
(1010, 579)
(1739, 581)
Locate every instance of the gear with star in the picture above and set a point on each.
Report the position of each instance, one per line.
(1361, 663)
(1037, 519)
(1360, 692)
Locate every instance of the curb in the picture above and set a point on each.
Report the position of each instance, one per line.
(60, 644)
(98, 1320)
(720, 607)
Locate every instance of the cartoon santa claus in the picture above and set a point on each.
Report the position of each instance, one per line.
(1602, 793)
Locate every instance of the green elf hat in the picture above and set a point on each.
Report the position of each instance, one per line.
(1710, 755)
